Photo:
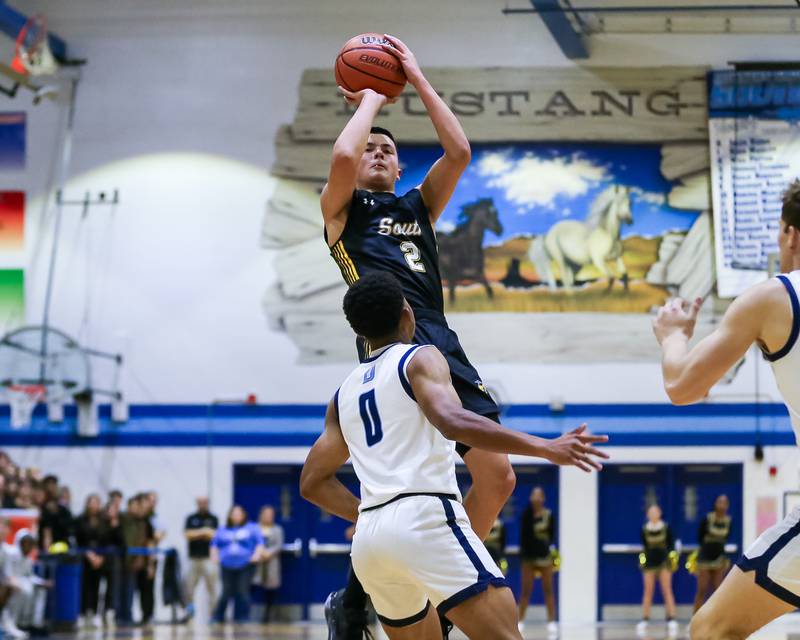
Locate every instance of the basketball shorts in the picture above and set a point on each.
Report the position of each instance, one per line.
(432, 329)
(775, 558)
(418, 551)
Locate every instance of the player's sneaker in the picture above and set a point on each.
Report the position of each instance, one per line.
(345, 624)
(641, 629)
(552, 628)
(672, 628)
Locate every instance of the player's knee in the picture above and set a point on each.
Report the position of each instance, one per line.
(706, 625)
(496, 481)
(506, 480)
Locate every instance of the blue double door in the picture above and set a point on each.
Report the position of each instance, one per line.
(316, 559)
(685, 493)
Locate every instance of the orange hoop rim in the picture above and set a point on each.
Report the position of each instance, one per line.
(30, 390)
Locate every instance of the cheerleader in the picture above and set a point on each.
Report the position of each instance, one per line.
(537, 537)
(657, 560)
(712, 564)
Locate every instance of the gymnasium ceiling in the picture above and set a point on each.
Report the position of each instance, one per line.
(573, 23)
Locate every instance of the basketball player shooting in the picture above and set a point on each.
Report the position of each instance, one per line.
(369, 229)
(765, 584)
(397, 416)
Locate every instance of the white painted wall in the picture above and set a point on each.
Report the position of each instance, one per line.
(180, 474)
(178, 107)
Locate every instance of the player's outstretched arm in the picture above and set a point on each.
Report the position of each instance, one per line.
(441, 181)
(318, 482)
(429, 375)
(690, 374)
(347, 152)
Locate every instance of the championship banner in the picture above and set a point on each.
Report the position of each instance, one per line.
(754, 132)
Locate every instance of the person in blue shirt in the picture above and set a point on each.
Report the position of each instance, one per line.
(236, 546)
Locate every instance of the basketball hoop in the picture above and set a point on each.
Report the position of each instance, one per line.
(23, 399)
(33, 55)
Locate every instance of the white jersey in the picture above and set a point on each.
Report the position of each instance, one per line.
(786, 361)
(394, 448)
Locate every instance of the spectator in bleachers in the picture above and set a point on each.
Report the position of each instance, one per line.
(8, 585)
(65, 497)
(236, 547)
(135, 531)
(92, 536)
(55, 523)
(3, 493)
(268, 570)
(199, 530)
(25, 607)
(155, 534)
(12, 487)
(24, 496)
(38, 494)
(50, 486)
(115, 498)
(114, 561)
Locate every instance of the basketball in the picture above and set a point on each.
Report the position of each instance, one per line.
(363, 64)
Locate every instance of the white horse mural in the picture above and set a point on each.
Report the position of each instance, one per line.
(572, 244)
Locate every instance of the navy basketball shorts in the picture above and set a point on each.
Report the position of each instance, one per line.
(775, 559)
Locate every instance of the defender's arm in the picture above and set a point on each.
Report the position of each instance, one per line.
(318, 482)
(429, 375)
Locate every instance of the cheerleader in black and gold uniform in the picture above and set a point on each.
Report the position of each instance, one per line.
(537, 538)
(712, 563)
(657, 565)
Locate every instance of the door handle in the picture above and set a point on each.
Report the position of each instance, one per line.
(295, 547)
(326, 548)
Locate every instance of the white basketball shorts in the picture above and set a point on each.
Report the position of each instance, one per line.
(420, 550)
(775, 558)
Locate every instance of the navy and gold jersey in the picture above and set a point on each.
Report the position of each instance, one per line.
(537, 533)
(712, 536)
(386, 232)
(657, 542)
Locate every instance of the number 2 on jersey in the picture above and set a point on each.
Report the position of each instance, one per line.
(411, 254)
(369, 416)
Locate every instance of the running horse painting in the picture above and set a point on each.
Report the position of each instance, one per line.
(461, 250)
(572, 244)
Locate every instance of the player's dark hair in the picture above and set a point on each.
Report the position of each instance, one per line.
(384, 132)
(373, 304)
(790, 213)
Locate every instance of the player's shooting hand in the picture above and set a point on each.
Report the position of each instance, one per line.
(355, 98)
(677, 316)
(576, 449)
(400, 50)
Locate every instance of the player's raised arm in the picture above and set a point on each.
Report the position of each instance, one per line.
(429, 375)
(690, 374)
(318, 482)
(347, 152)
(439, 184)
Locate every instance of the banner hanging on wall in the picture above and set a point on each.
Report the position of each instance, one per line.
(12, 141)
(754, 133)
(12, 259)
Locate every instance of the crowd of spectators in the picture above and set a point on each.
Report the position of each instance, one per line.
(115, 538)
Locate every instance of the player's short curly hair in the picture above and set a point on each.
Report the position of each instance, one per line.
(373, 304)
(791, 205)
